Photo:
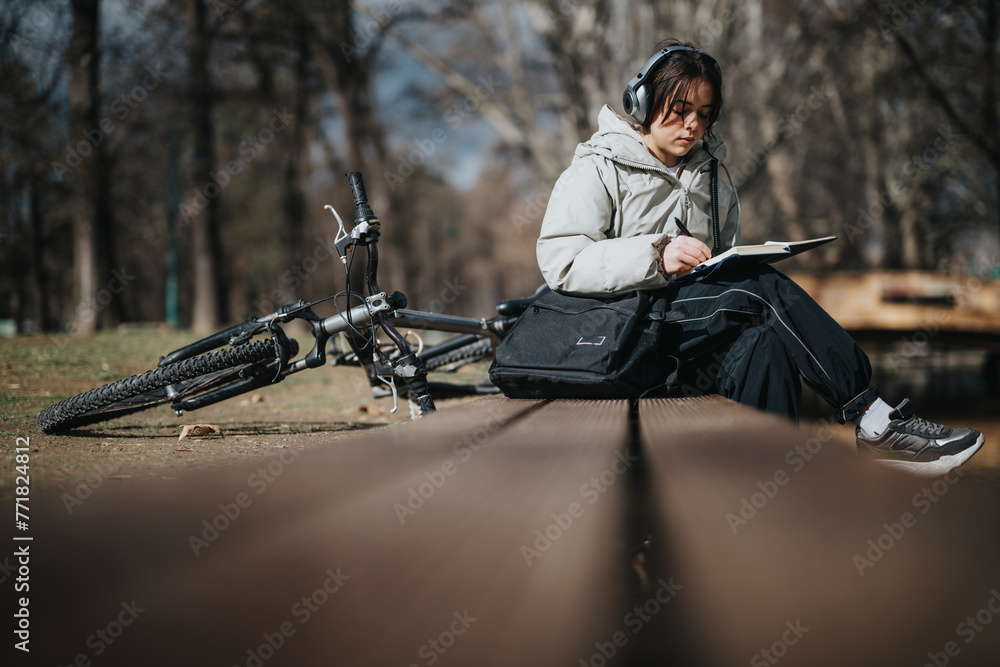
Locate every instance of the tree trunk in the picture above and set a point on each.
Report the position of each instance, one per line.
(294, 196)
(38, 283)
(210, 299)
(84, 59)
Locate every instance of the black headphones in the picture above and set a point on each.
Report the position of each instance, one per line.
(637, 97)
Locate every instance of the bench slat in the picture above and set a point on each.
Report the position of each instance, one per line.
(423, 526)
(772, 529)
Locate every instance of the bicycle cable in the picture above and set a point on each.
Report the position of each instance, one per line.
(372, 339)
(347, 316)
(348, 293)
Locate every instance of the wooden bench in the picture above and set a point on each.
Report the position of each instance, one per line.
(502, 532)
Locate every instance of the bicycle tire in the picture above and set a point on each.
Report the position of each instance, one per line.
(113, 400)
(474, 351)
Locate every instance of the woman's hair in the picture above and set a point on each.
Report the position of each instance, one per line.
(673, 77)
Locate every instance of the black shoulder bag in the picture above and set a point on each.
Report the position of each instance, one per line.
(567, 346)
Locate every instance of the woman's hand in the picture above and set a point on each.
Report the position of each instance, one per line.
(683, 254)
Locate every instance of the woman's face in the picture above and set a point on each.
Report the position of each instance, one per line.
(677, 129)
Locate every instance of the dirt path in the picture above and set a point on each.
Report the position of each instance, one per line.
(306, 410)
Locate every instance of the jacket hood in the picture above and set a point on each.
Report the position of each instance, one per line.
(619, 140)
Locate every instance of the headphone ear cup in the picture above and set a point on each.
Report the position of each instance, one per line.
(642, 103)
(635, 102)
(628, 102)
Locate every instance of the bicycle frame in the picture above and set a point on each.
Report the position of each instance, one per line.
(322, 330)
(416, 319)
(378, 311)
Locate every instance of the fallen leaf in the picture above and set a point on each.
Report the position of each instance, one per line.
(369, 410)
(257, 398)
(199, 430)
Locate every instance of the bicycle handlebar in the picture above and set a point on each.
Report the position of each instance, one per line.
(362, 211)
(409, 366)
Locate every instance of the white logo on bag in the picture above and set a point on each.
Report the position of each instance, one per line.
(591, 340)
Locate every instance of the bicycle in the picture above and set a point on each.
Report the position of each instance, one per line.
(201, 374)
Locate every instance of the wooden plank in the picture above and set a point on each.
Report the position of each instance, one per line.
(378, 550)
(786, 542)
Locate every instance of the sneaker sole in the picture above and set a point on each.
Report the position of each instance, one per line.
(938, 467)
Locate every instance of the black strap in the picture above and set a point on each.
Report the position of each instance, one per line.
(678, 313)
(713, 180)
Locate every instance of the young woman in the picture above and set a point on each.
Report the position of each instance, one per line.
(641, 205)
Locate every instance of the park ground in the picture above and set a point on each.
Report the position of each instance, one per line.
(306, 410)
(310, 409)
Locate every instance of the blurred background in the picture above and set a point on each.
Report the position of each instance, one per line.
(168, 160)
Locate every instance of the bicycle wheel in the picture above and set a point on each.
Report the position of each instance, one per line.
(149, 389)
(474, 351)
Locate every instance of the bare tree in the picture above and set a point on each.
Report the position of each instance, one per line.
(875, 121)
(93, 241)
(210, 295)
(25, 146)
(965, 86)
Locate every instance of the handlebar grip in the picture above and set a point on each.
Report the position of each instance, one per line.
(362, 211)
(420, 392)
(357, 188)
(411, 368)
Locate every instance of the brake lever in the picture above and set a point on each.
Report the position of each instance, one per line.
(341, 236)
(387, 375)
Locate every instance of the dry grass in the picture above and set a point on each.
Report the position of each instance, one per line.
(306, 410)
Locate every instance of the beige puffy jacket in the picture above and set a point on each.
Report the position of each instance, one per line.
(616, 200)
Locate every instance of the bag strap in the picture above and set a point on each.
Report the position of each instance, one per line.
(662, 309)
(713, 180)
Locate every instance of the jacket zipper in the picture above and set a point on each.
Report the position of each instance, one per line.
(685, 194)
(685, 198)
(659, 170)
(642, 167)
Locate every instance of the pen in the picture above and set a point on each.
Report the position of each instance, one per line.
(680, 226)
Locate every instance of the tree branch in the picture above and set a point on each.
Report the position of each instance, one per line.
(511, 133)
(938, 95)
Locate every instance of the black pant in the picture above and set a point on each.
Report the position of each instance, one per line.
(750, 333)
